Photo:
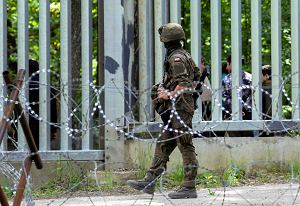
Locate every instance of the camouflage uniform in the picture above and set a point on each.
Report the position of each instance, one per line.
(179, 71)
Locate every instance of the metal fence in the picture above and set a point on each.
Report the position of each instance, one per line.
(118, 42)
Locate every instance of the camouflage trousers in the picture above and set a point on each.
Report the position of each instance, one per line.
(168, 142)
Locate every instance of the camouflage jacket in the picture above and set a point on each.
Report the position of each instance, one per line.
(179, 70)
(246, 92)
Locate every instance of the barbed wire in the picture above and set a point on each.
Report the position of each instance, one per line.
(131, 129)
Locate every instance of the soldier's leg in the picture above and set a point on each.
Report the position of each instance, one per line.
(164, 147)
(190, 163)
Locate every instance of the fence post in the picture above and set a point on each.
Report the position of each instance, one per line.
(22, 56)
(160, 18)
(256, 58)
(276, 59)
(295, 24)
(145, 58)
(216, 57)
(44, 75)
(86, 51)
(236, 58)
(196, 45)
(65, 73)
(3, 58)
(175, 11)
(114, 82)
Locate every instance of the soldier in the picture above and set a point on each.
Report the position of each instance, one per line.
(179, 73)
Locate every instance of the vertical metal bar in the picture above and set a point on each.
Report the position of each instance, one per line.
(3, 57)
(236, 58)
(44, 75)
(256, 58)
(216, 57)
(145, 60)
(86, 45)
(160, 18)
(129, 12)
(86, 20)
(114, 78)
(196, 31)
(101, 66)
(276, 59)
(295, 24)
(65, 72)
(196, 40)
(22, 54)
(175, 11)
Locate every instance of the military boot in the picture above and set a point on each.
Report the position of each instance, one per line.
(147, 184)
(183, 193)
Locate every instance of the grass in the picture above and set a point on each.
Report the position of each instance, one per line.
(144, 158)
(71, 179)
(174, 178)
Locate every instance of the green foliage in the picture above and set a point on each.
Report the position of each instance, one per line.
(208, 179)
(295, 170)
(48, 190)
(144, 159)
(108, 182)
(294, 133)
(287, 111)
(232, 175)
(33, 10)
(33, 33)
(210, 192)
(69, 177)
(9, 191)
(176, 176)
(246, 32)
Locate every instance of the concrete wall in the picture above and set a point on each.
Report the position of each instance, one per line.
(218, 153)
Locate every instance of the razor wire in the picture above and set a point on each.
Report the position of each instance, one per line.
(97, 109)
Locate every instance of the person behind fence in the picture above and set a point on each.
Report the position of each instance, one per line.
(179, 74)
(206, 91)
(246, 97)
(266, 97)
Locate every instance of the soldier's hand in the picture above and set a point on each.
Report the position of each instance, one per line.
(163, 93)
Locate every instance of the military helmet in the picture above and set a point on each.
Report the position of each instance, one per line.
(171, 32)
